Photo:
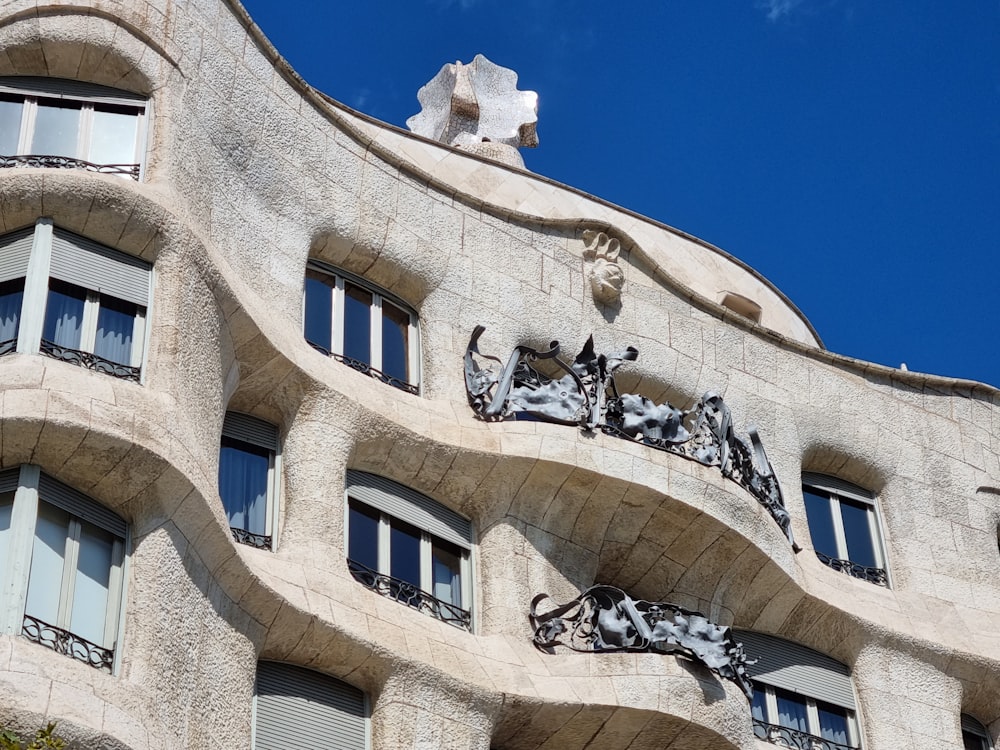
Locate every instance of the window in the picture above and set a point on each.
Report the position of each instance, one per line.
(801, 697)
(72, 299)
(742, 306)
(408, 547)
(844, 527)
(249, 478)
(53, 122)
(367, 329)
(974, 735)
(296, 707)
(63, 558)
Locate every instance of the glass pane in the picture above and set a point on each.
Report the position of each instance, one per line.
(11, 293)
(972, 741)
(858, 533)
(758, 708)
(243, 470)
(115, 325)
(93, 574)
(791, 710)
(362, 533)
(357, 323)
(820, 522)
(64, 314)
(47, 554)
(10, 123)
(6, 506)
(395, 337)
(404, 553)
(57, 124)
(832, 723)
(112, 139)
(446, 565)
(319, 310)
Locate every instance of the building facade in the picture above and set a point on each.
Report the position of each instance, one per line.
(261, 484)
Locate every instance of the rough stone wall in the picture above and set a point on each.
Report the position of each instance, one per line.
(248, 175)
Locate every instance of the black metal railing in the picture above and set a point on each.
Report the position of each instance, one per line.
(89, 361)
(794, 738)
(878, 576)
(410, 595)
(64, 642)
(7, 347)
(67, 162)
(367, 369)
(257, 541)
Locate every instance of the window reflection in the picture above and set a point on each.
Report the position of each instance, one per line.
(57, 127)
(395, 344)
(10, 123)
(357, 323)
(64, 314)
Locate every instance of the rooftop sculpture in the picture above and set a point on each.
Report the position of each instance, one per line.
(466, 105)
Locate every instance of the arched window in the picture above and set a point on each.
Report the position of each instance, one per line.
(844, 526)
(70, 298)
(296, 707)
(801, 697)
(974, 735)
(364, 327)
(406, 546)
(249, 478)
(54, 122)
(63, 557)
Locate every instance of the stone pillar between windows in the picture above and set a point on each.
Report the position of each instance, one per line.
(906, 702)
(424, 709)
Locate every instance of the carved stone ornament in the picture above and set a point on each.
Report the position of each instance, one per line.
(605, 618)
(470, 104)
(585, 395)
(606, 277)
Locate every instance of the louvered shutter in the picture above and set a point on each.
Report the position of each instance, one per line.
(79, 505)
(15, 249)
(85, 263)
(64, 88)
(837, 486)
(9, 480)
(250, 430)
(798, 669)
(410, 506)
(301, 709)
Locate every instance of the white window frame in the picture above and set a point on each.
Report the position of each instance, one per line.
(14, 575)
(379, 298)
(36, 292)
(812, 715)
(836, 489)
(382, 495)
(30, 89)
(250, 430)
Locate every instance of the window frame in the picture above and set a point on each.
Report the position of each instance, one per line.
(837, 490)
(60, 256)
(380, 297)
(32, 89)
(974, 729)
(31, 488)
(256, 433)
(774, 727)
(391, 501)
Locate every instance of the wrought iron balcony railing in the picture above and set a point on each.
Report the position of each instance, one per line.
(67, 162)
(257, 541)
(408, 594)
(794, 738)
(367, 369)
(89, 361)
(6, 347)
(878, 576)
(64, 642)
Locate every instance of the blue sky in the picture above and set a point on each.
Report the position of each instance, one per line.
(849, 150)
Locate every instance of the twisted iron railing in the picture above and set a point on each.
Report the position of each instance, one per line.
(257, 541)
(878, 576)
(67, 162)
(366, 369)
(410, 595)
(794, 738)
(89, 360)
(64, 642)
(6, 347)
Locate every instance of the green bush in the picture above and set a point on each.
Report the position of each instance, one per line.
(45, 739)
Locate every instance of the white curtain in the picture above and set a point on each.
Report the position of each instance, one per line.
(47, 554)
(90, 595)
(114, 333)
(63, 318)
(243, 487)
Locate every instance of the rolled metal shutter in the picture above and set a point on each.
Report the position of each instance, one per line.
(250, 430)
(798, 669)
(838, 486)
(301, 709)
(411, 506)
(15, 249)
(85, 263)
(64, 88)
(55, 492)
